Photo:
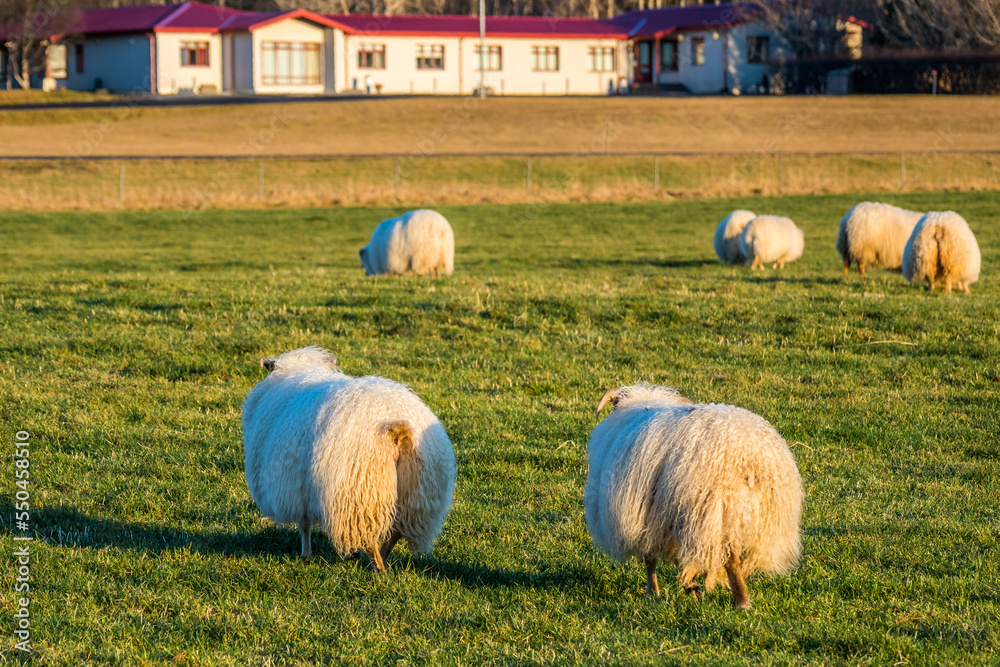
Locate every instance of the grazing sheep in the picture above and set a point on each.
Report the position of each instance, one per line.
(712, 488)
(363, 456)
(942, 246)
(418, 242)
(770, 238)
(727, 236)
(873, 236)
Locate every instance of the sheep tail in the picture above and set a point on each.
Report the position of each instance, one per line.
(401, 436)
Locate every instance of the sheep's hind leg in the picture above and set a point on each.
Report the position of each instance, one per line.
(847, 266)
(305, 530)
(652, 588)
(389, 545)
(861, 269)
(965, 288)
(376, 559)
(947, 285)
(741, 599)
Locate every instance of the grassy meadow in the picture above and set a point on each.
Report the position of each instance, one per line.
(130, 339)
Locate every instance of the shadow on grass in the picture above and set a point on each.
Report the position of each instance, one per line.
(478, 575)
(591, 262)
(65, 526)
(777, 276)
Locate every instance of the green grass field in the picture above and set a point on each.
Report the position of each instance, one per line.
(129, 341)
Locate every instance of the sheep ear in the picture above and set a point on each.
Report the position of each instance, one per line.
(401, 435)
(613, 395)
(267, 363)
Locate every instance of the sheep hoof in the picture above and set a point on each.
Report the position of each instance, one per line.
(693, 591)
(744, 605)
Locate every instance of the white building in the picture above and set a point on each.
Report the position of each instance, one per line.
(440, 54)
(197, 48)
(701, 48)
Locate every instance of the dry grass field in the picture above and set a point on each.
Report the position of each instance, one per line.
(435, 125)
(827, 146)
(433, 181)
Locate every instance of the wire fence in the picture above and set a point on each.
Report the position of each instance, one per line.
(112, 182)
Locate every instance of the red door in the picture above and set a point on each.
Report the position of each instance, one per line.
(644, 62)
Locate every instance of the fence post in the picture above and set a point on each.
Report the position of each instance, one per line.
(260, 180)
(781, 175)
(527, 182)
(121, 183)
(656, 172)
(395, 179)
(902, 170)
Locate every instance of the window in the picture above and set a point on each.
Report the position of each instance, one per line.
(79, 58)
(758, 49)
(194, 54)
(57, 61)
(601, 58)
(494, 58)
(290, 63)
(371, 56)
(668, 56)
(545, 58)
(698, 50)
(430, 56)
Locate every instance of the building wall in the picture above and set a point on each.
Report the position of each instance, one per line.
(172, 77)
(242, 62)
(120, 62)
(288, 30)
(746, 76)
(706, 78)
(460, 75)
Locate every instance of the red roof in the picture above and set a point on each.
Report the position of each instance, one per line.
(187, 17)
(659, 22)
(254, 20)
(468, 26)
(198, 17)
(121, 19)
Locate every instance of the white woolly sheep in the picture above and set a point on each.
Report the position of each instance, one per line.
(363, 456)
(770, 238)
(942, 246)
(712, 488)
(727, 236)
(873, 236)
(418, 242)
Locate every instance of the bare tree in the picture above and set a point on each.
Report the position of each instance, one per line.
(939, 25)
(29, 26)
(814, 28)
